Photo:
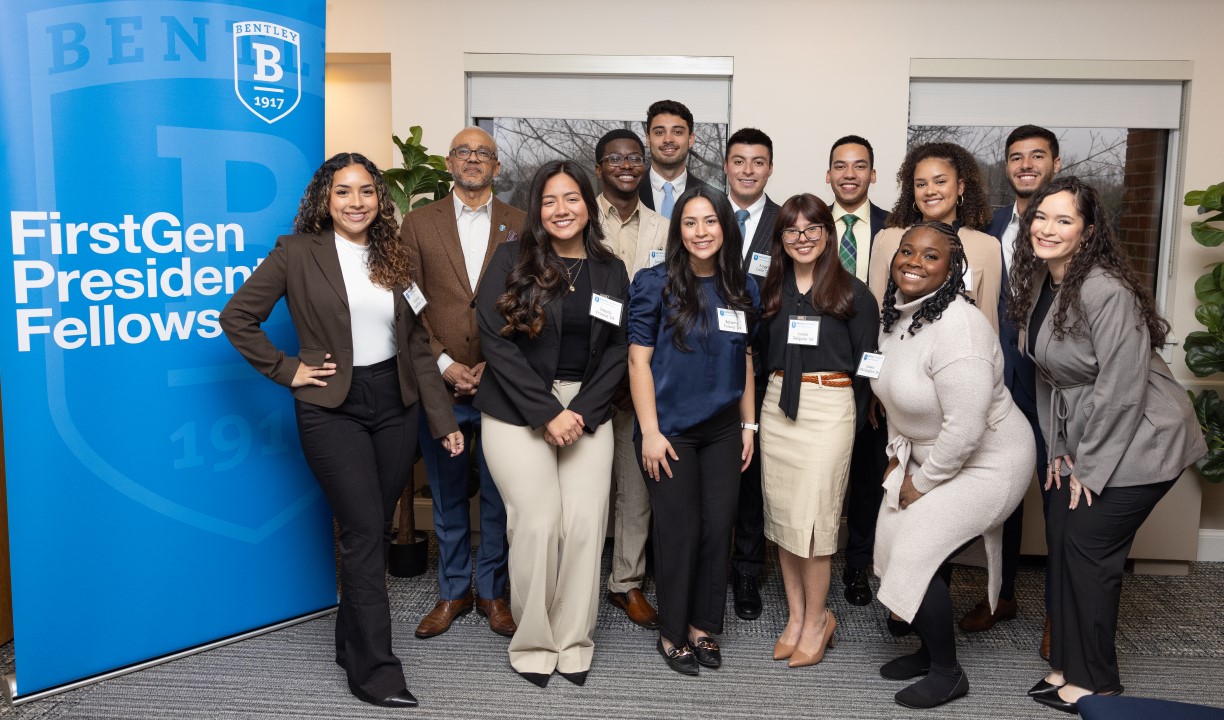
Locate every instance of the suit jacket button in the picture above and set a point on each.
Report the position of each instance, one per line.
(473, 304)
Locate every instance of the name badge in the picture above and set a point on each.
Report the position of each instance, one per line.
(870, 365)
(415, 298)
(969, 278)
(732, 321)
(656, 257)
(606, 309)
(804, 330)
(759, 265)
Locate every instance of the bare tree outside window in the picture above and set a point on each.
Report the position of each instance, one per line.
(1126, 166)
(524, 144)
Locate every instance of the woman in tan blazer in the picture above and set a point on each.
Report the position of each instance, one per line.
(363, 365)
(1119, 427)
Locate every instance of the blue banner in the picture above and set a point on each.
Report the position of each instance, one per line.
(157, 496)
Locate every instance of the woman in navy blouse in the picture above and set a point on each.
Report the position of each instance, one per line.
(690, 371)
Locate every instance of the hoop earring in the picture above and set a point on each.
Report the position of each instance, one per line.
(960, 199)
(916, 208)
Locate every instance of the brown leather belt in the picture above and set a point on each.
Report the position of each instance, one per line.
(832, 379)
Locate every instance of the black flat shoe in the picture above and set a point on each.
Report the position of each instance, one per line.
(537, 679)
(401, 699)
(1052, 700)
(858, 590)
(680, 659)
(578, 678)
(934, 690)
(1043, 688)
(707, 652)
(907, 667)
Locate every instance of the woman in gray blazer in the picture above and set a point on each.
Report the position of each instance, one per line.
(1119, 427)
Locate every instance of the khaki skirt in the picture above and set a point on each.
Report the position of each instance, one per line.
(805, 465)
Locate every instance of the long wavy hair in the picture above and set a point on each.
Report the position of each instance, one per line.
(973, 207)
(388, 259)
(538, 275)
(683, 295)
(832, 292)
(1099, 247)
(932, 308)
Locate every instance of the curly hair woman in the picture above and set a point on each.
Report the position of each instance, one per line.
(363, 366)
(941, 182)
(552, 326)
(1119, 427)
(959, 461)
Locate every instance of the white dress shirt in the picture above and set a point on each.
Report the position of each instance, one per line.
(1009, 238)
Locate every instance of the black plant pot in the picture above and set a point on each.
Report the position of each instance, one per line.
(409, 559)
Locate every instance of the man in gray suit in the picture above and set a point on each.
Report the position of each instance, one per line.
(748, 165)
(638, 236)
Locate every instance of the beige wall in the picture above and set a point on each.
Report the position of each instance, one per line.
(784, 50)
(357, 116)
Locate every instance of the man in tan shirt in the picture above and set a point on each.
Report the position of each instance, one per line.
(638, 236)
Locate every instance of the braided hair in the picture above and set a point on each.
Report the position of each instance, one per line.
(932, 308)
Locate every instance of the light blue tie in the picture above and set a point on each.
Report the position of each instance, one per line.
(741, 217)
(669, 200)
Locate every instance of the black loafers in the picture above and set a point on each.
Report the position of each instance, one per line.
(747, 597)
(680, 659)
(1052, 700)
(707, 652)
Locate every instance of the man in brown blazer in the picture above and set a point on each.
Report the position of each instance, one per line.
(450, 242)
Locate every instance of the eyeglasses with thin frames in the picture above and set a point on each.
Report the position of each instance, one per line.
(481, 154)
(615, 159)
(813, 233)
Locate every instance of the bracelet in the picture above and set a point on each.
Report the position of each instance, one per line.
(750, 426)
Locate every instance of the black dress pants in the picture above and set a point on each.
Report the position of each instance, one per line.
(692, 515)
(361, 455)
(865, 492)
(1088, 548)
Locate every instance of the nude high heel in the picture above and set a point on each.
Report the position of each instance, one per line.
(801, 659)
(783, 651)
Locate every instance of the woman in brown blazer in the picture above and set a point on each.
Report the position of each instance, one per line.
(363, 365)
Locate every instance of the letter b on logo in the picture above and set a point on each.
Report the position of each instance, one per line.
(267, 63)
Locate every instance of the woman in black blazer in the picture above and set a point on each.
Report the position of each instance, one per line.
(552, 327)
(363, 365)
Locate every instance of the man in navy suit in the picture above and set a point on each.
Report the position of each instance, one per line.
(748, 165)
(1032, 158)
(857, 220)
(669, 132)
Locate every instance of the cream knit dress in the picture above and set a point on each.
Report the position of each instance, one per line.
(957, 431)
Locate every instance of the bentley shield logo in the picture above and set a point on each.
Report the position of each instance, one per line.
(267, 63)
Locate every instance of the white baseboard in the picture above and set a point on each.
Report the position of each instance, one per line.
(1211, 545)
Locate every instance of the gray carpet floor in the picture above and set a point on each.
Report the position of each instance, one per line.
(1170, 645)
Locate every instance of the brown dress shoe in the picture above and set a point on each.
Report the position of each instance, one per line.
(500, 619)
(1044, 650)
(637, 607)
(980, 619)
(443, 614)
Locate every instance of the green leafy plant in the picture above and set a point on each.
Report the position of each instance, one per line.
(423, 176)
(1205, 348)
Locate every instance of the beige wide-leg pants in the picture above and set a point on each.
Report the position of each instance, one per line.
(556, 516)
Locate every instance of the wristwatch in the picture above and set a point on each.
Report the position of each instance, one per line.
(750, 426)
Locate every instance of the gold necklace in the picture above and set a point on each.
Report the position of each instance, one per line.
(572, 272)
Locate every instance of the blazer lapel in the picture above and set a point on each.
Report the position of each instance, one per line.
(499, 230)
(600, 281)
(448, 232)
(329, 263)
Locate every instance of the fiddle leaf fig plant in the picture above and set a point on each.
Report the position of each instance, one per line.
(1205, 348)
(422, 179)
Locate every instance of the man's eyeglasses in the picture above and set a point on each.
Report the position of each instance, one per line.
(615, 159)
(481, 154)
(790, 236)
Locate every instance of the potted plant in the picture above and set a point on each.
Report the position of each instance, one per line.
(423, 176)
(1205, 348)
